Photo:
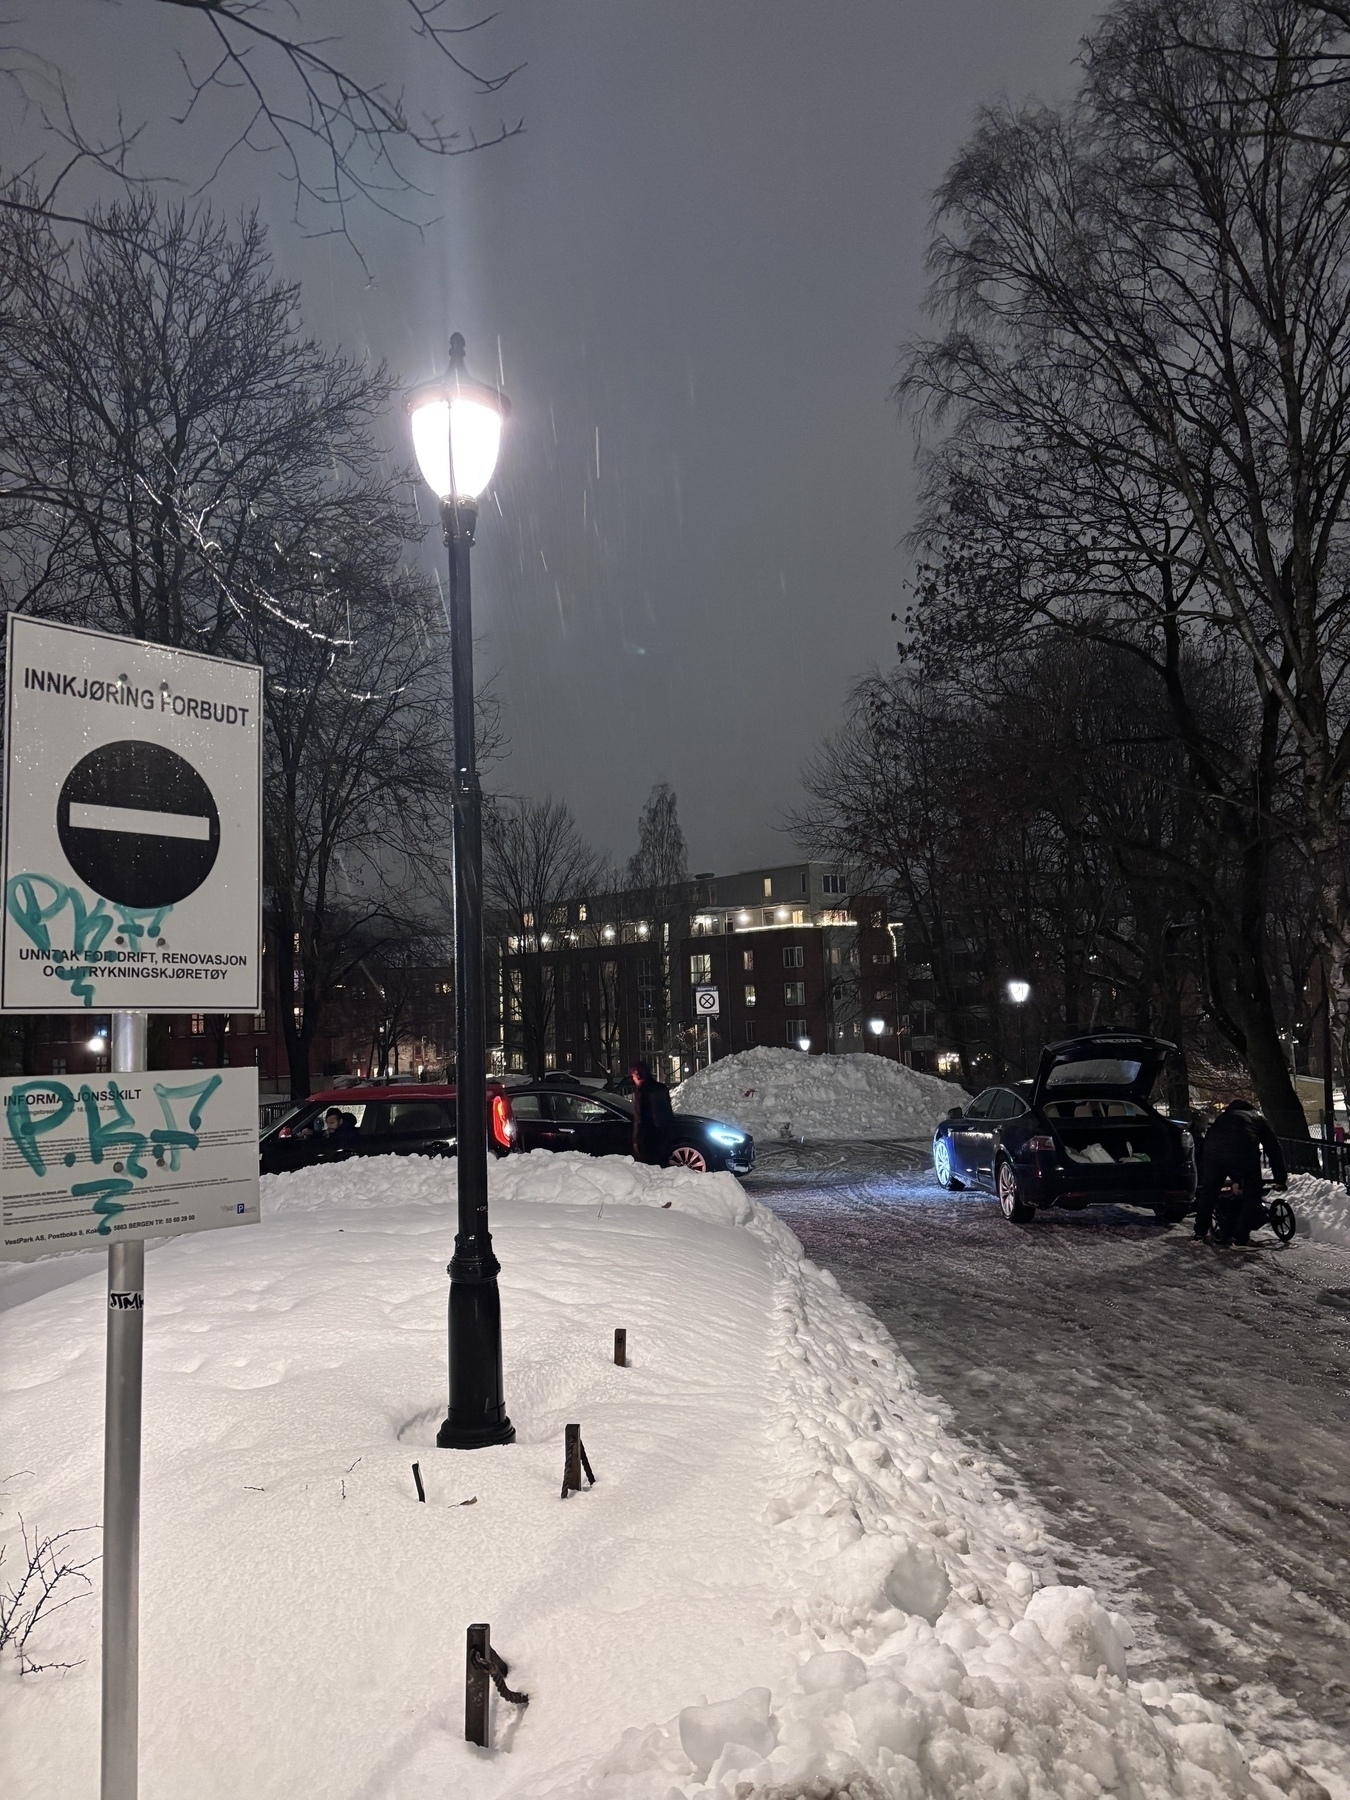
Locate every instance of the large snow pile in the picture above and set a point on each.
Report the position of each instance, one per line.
(1322, 1209)
(789, 1094)
(787, 1580)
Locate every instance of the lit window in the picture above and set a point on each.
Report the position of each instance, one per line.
(581, 913)
(198, 1025)
(798, 915)
(793, 956)
(700, 970)
(749, 993)
(794, 993)
(58, 1065)
(260, 1022)
(768, 887)
(747, 959)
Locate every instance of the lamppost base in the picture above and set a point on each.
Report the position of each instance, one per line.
(474, 1437)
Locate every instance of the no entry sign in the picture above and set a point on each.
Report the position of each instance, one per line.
(132, 826)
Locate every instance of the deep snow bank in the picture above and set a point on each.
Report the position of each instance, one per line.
(787, 1094)
(1322, 1208)
(788, 1580)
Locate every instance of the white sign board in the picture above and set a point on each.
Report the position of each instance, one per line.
(101, 1159)
(132, 826)
(707, 1003)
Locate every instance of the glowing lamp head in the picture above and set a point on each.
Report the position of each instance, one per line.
(456, 430)
(876, 1026)
(803, 1043)
(98, 1044)
(1019, 992)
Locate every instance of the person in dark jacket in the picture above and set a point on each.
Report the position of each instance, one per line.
(1232, 1152)
(653, 1115)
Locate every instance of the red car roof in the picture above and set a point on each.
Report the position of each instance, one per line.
(367, 1093)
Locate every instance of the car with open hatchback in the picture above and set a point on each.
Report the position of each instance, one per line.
(1083, 1132)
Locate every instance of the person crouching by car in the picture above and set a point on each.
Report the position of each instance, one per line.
(1232, 1152)
(653, 1115)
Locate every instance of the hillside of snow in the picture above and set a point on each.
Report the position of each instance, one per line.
(788, 1579)
(789, 1094)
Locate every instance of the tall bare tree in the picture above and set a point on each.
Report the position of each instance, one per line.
(267, 78)
(534, 861)
(1146, 389)
(657, 877)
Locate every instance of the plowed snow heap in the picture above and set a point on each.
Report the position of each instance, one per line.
(790, 1094)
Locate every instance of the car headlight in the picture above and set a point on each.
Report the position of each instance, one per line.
(723, 1134)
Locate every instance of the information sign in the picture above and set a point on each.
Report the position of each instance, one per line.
(104, 1159)
(132, 826)
(707, 1002)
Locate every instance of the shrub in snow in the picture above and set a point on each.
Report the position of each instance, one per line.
(786, 1093)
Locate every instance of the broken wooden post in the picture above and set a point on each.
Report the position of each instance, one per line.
(574, 1461)
(621, 1348)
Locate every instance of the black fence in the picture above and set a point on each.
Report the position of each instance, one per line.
(1313, 1157)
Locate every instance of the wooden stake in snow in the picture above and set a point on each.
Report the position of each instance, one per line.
(621, 1348)
(482, 1666)
(574, 1461)
(417, 1477)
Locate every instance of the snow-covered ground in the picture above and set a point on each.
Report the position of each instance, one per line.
(790, 1094)
(1322, 1209)
(787, 1574)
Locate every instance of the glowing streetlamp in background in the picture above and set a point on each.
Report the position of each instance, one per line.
(1019, 992)
(456, 432)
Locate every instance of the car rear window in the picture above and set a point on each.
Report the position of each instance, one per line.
(1094, 1072)
(405, 1118)
(1094, 1109)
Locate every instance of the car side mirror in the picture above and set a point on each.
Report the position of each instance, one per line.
(956, 1112)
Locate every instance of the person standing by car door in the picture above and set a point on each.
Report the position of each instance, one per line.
(1232, 1152)
(653, 1115)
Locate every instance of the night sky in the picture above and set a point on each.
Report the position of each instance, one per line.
(693, 270)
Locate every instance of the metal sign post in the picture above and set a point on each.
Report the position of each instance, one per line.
(708, 1006)
(132, 858)
(122, 1478)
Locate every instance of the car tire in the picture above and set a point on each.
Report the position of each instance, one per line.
(942, 1166)
(1014, 1208)
(688, 1156)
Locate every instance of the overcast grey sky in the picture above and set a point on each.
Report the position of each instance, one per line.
(702, 256)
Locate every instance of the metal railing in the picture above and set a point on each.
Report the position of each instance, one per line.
(1311, 1156)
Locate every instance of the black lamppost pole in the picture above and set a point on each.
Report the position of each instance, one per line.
(456, 429)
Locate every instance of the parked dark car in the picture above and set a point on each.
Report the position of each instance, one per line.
(1081, 1134)
(558, 1114)
(415, 1119)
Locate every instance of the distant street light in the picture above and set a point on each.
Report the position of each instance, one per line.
(876, 1026)
(98, 1043)
(1019, 992)
(456, 432)
(803, 1043)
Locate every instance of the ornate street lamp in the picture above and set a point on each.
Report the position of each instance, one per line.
(456, 432)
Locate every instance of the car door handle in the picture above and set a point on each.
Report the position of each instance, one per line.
(567, 1131)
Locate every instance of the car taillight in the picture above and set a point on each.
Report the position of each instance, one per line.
(285, 1131)
(503, 1122)
(1041, 1145)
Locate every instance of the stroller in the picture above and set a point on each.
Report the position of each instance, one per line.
(1276, 1212)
